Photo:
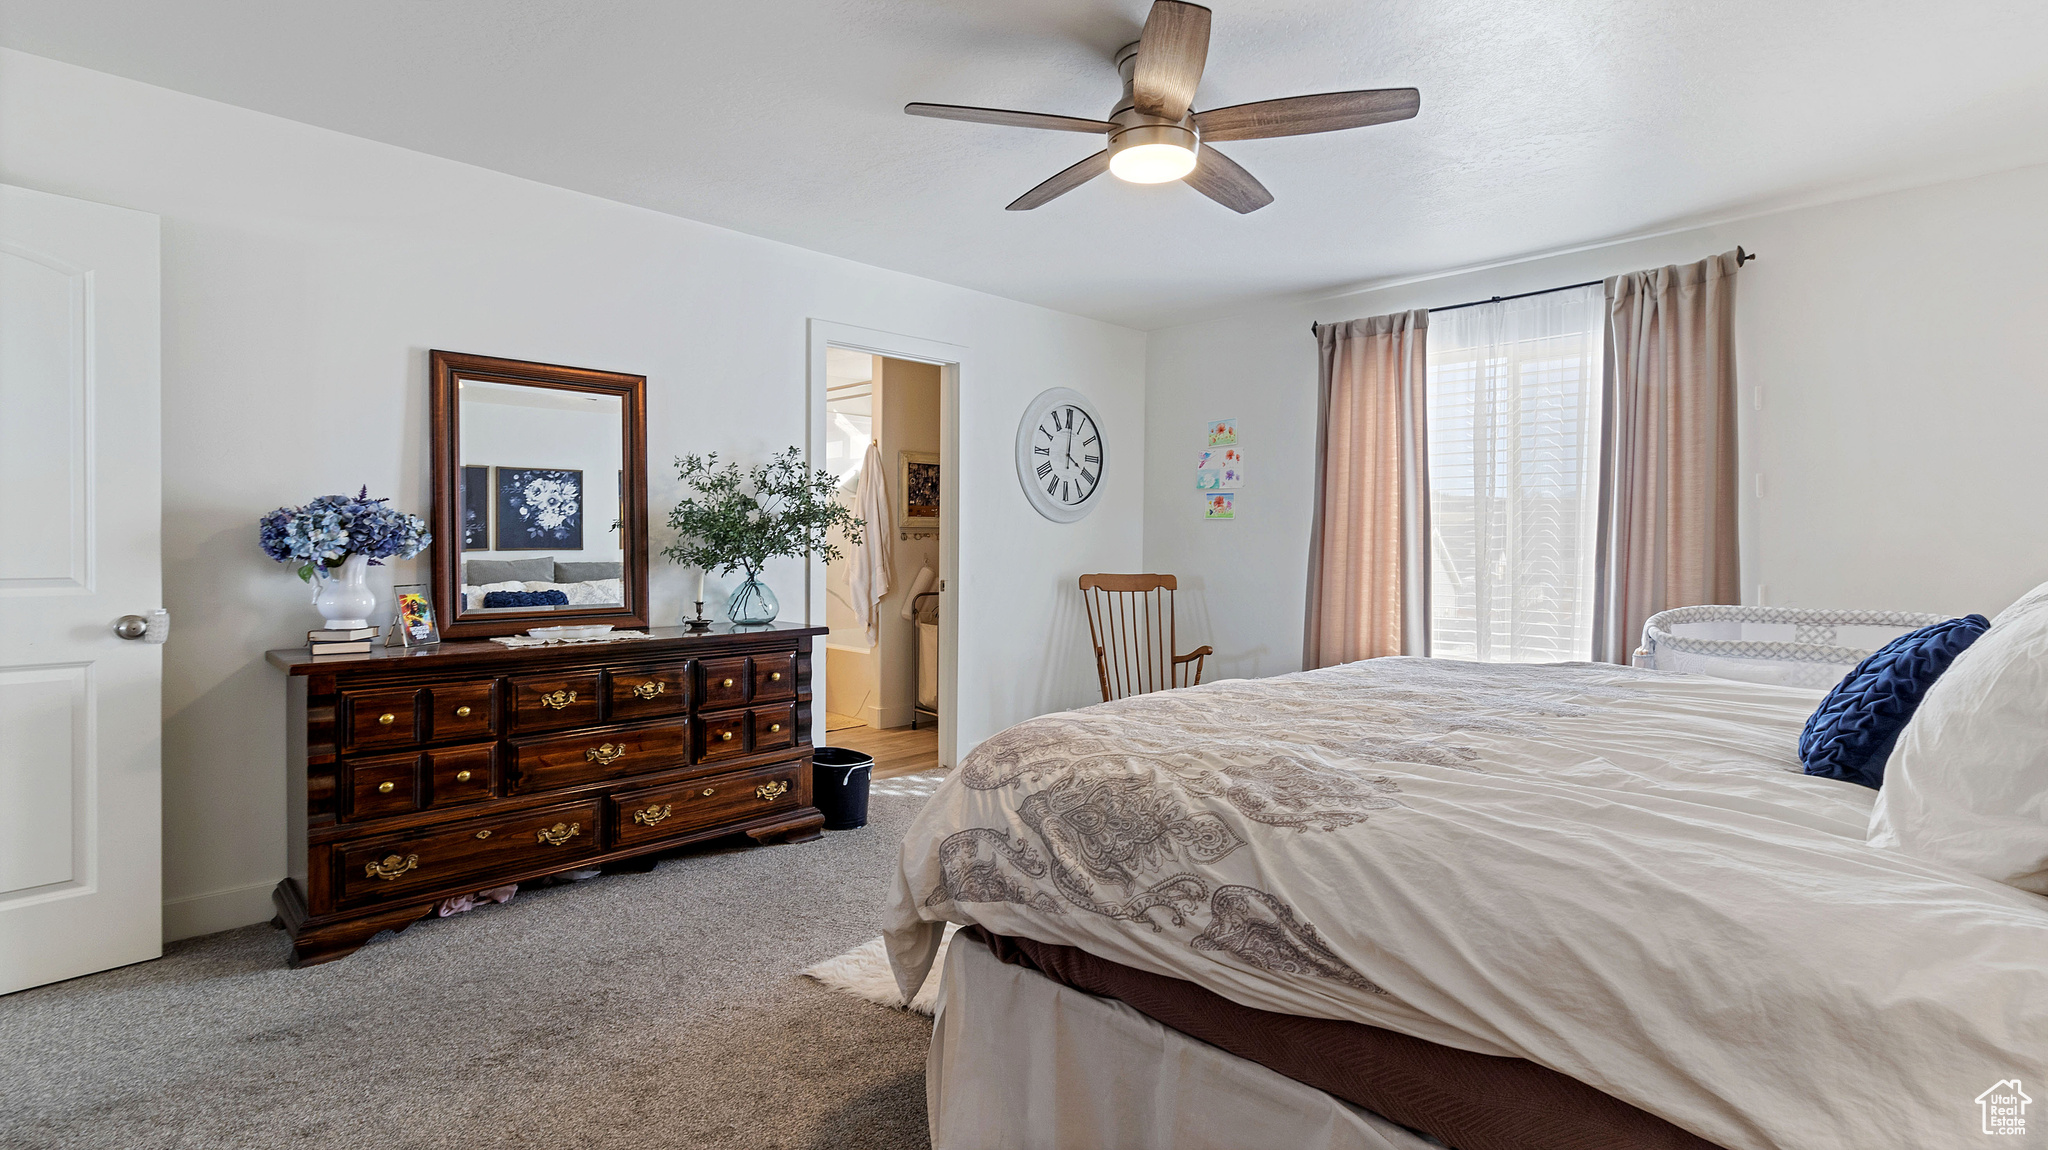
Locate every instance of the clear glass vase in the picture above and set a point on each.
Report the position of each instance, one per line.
(753, 603)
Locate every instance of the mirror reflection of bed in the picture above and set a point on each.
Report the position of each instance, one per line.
(542, 485)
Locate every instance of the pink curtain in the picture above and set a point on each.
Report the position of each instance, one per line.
(1368, 578)
(1667, 533)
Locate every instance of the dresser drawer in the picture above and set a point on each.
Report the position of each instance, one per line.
(551, 702)
(774, 676)
(386, 785)
(566, 760)
(433, 860)
(462, 774)
(463, 711)
(774, 727)
(722, 736)
(724, 682)
(647, 692)
(381, 718)
(679, 809)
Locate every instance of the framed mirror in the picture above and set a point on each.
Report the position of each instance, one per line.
(540, 495)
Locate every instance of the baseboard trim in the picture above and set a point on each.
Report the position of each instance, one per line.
(889, 718)
(215, 911)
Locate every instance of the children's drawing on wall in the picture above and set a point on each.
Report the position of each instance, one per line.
(1229, 468)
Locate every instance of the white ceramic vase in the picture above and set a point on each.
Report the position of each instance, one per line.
(343, 597)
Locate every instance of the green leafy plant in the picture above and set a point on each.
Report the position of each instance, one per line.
(733, 520)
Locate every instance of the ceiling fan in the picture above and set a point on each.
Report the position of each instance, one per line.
(1155, 136)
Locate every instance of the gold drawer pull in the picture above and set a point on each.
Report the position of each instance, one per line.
(483, 834)
(767, 792)
(649, 689)
(725, 736)
(462, 776)
(774, 728)
(605, 754)
(727, 683)
(386, 788)
(558, 834)
(652, 815)
(776, 677)
(462, 712)
(391, 868)
(386, 719)
(709, 791)
(558, 700)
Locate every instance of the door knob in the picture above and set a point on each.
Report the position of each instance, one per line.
(154, 627)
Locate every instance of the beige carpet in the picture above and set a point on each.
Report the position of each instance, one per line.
(629, 1011)
(836, 722)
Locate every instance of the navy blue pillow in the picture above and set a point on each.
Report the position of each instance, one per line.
(525, 599)
(1851, 735)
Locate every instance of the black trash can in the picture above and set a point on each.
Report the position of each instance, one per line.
(839, 785)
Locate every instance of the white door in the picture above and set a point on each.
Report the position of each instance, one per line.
(81, 867)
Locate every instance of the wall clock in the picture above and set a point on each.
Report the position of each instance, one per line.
(1059, 454)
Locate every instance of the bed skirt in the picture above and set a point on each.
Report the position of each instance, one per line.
(1020, 1062)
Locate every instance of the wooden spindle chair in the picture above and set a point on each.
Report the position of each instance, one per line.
(1131, 622)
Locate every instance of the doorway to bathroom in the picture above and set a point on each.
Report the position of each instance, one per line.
(883, 442)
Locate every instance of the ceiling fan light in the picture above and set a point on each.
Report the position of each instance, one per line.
(1152, 163)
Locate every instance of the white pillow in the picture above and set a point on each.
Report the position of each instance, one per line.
(474, 594)
(593, 593)
(1967, 783)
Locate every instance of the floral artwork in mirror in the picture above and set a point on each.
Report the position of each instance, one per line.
(540, 509)
(514, 444)
(476, 508)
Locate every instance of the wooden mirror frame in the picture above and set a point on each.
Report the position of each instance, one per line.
(445, 369)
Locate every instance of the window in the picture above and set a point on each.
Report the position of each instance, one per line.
(849, 414)
(1514, 444)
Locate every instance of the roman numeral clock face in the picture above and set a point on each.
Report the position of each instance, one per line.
(1060, 454)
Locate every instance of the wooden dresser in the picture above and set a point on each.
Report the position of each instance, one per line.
(425, 773)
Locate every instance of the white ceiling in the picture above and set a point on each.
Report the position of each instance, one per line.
(1545, 123)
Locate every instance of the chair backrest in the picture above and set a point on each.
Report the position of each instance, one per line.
(1131, 623)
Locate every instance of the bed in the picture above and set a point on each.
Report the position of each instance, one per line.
(578, 583)
(1616, 876)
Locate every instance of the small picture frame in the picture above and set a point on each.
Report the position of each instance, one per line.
(412, 617)
(919, 482)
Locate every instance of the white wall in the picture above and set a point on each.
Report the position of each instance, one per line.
(1904, 405)
(306, 276)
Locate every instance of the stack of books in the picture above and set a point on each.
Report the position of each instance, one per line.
(353, 641)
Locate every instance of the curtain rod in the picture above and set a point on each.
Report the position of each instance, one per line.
(1741, 257)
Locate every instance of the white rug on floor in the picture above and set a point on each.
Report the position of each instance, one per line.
(917, 786)
(864, 973)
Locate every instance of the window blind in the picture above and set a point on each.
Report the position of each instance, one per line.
(1514, 431)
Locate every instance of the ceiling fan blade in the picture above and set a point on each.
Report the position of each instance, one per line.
(1066, 181)
(1301, 115)
(1218, 177)
(1171, 53)
(1007, 118)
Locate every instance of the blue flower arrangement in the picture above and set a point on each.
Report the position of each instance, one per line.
(333, 527)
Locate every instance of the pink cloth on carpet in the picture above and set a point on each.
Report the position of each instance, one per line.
(467, 902)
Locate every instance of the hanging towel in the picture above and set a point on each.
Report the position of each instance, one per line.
(923, 583)
(869, 577)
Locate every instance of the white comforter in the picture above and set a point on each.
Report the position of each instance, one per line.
(1618, 874)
